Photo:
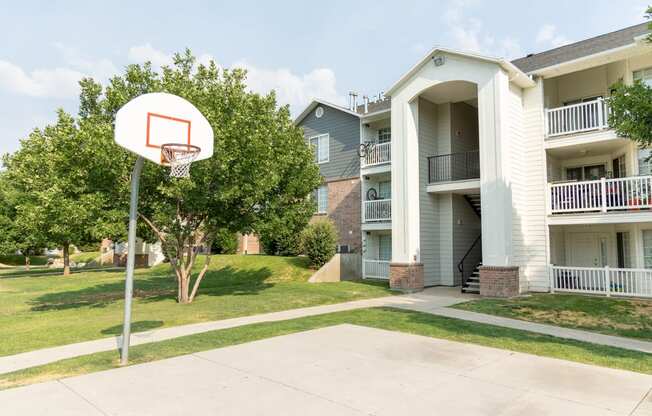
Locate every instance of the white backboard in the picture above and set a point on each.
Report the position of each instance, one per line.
(150, 120)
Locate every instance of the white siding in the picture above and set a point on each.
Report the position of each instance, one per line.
(530, 205)
(428, 207)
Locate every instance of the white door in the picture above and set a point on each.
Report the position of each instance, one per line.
(588, 249)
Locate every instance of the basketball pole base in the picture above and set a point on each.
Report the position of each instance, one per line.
(131, 259)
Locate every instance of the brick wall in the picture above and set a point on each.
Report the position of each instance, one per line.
(499, 282)
(344, 206)
(248, 244)
(406, 277)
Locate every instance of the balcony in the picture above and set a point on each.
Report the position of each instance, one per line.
(577, 118)
(454, 167)
(379, 210)
(602, 281)
(375, 269)
(604, 195)
(378, 154)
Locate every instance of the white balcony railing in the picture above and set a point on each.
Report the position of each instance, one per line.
(375, 269)
(601, 280)
(378, 154)
(632, 193)
(577, 118)
(377, 210)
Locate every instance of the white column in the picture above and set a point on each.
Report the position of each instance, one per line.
(495, 187)
(405, 182)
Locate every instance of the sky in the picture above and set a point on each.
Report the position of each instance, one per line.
(300, 49)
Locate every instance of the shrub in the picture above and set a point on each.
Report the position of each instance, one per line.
(225, 242)
(283, 242)
(319, 242)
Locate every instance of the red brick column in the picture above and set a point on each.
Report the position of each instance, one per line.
(406, 277)
(499, 281)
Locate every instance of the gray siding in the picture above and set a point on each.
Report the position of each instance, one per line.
(344, 132)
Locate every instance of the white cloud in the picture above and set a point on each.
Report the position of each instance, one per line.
(101, 69)
(548, 35)
(56, 82)
(469, 34)
(147, 52)
(291, 88)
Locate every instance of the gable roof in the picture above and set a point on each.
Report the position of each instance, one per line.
(315, 102)
(583, 48)
(516, 74)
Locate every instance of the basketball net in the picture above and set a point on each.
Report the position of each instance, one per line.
(179, 157)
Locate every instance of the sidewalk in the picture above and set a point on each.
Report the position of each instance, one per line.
(434, 301)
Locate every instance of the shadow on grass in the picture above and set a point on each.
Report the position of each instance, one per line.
(490, 335)
(138, 326)
(157, 287)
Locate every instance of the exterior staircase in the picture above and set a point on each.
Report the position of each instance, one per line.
(472, 283)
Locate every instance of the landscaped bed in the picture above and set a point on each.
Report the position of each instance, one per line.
(383, 318)
(622, 317)
(46, 311)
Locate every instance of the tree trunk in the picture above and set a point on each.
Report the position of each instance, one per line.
(66, 259)
(27, 262)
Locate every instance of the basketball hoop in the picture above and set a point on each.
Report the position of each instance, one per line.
(179, 157)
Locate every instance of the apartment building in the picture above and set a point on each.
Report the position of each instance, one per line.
(504, 177)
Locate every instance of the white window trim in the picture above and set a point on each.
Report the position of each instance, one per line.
(328, 144)
(319, 190)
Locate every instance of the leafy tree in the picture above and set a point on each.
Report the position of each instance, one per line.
(60, 198)
(280, 230)
(631, 107)
(260, 160)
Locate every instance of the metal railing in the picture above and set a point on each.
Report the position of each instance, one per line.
(601, 280)
(375, 269)
(454, 167)
(377, 210)
(602, 195)
(378, 154)
(471, 258)
(577, 118)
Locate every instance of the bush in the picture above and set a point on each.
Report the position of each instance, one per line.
(319, 242)
(281, 243)
(225, 242)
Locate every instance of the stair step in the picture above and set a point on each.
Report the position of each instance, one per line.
(470, 290)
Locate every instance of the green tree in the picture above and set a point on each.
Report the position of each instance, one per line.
(60, 195)
(631, 107)
(260, 160)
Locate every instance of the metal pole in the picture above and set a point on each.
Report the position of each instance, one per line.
(131, 257)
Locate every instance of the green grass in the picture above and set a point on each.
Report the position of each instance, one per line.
(383, 318)
(622, 317)
(40, 312)
(85, 256)
(18, 260)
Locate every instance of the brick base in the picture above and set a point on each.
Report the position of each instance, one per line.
(499, 282)
(406, 277)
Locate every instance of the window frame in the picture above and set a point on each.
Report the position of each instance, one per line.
(318, 146)
(322, 189)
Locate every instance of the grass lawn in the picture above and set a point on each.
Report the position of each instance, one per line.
(85, 256)
(18, 260)
(621, 317)
(39, 312)
(384, 318)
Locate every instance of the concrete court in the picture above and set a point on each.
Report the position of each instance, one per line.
(343, 370)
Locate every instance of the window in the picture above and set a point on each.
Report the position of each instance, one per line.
(622, 245)
(586, 173)
(385, 247)
(647, 248)
(644, 165)
(322, 199)
(619, 167)
(385, 190)
(320, 147)
(384, 135)
(644, 75)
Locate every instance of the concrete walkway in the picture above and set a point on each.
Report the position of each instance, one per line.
(343, 370)
(433, 300)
